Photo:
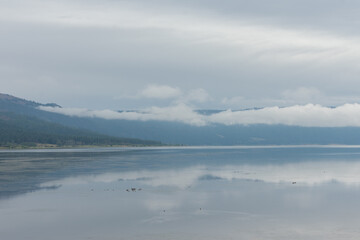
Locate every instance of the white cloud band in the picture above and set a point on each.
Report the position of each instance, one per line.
(309, 115)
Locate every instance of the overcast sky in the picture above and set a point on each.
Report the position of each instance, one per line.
(230, 54)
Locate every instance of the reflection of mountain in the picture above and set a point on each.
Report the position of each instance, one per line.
(180, 133)
(174, 167)
(35, 167)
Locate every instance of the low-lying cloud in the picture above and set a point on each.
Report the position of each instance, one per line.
(178, 113)
(310, 115)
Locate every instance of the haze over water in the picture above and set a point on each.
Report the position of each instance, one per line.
(181, 193)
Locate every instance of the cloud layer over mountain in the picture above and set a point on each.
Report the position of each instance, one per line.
(309, 115)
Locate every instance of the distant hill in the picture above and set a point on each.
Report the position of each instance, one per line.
(19, 128)
(180, 133)
(13, 104)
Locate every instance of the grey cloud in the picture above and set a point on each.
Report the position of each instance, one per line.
(174, 94)
(97, 50)
(198, 95)
(160, 92)
(233, 101)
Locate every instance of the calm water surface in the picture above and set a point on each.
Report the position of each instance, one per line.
(181, 193)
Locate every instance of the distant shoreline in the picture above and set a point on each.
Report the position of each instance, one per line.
(46, 147)
(52, 146)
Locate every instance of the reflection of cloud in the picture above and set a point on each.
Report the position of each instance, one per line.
(302, 199)
(309, 173)
(160, 219)
(49, 187)
(309, 115)
(165, 202)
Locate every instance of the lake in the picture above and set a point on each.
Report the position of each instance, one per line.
(294, 192)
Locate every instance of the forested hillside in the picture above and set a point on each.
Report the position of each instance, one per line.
(25, 131)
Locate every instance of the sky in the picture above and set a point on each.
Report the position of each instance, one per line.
(141, 54)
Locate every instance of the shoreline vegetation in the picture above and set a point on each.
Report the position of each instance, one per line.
(54, 146)
(25, 132)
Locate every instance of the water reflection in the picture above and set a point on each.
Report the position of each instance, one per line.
(185, 194)
(309, 173)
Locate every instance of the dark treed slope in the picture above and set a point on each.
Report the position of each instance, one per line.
(24, 130)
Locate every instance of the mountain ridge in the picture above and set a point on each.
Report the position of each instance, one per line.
(175, 133)
(21, 127)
